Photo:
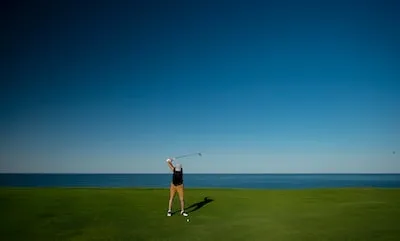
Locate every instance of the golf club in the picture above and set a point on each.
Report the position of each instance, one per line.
(191, 154)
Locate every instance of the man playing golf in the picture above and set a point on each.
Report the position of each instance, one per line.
(176, 187)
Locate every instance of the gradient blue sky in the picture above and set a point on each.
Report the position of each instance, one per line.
(257, 86)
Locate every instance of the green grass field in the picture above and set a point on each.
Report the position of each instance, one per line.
(140, 214)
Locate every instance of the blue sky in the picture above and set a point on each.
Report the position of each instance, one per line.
(256, 86)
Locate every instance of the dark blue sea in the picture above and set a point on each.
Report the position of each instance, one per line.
(258, 181)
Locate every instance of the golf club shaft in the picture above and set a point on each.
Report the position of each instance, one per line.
(192, 154)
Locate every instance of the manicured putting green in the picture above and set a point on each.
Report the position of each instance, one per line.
(228, 214)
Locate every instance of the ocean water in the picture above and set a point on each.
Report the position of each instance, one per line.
(257, 181)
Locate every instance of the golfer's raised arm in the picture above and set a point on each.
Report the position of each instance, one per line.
(169, 161)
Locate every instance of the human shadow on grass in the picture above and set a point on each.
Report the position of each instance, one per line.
(196, 206)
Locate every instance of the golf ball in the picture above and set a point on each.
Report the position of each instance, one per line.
(187, 220)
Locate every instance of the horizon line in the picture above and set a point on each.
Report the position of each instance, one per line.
(201, 173)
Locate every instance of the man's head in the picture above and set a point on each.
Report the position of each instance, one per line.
(178, 167)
